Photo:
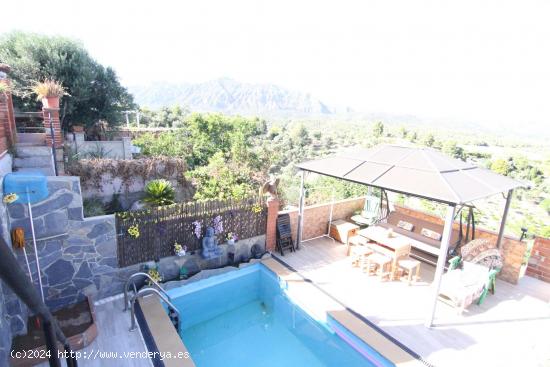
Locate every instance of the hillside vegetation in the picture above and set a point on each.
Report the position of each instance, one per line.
(231, 156)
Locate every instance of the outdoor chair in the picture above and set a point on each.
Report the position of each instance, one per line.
(370, 213)
(472, 275)
(284, 234)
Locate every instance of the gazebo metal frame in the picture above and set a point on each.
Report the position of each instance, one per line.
(420, 172)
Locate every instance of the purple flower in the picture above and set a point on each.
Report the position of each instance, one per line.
(198, 228)
(218, 224)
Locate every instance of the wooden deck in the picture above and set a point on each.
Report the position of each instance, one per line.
(511, 328)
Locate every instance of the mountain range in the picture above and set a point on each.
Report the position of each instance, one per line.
(231, 97)
(272, 101)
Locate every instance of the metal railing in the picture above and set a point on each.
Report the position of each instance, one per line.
(162, 295)
(16, 279)
(132, 277)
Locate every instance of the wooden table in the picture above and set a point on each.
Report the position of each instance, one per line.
(395, 247)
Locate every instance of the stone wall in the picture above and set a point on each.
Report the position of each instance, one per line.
(513, 249)
(539, 263)
(77, 256)
(316, 217)
(7, 322)
(5, 332)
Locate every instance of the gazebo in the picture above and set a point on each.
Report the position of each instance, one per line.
(421, 172)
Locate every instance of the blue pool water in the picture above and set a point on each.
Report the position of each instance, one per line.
(244, 318)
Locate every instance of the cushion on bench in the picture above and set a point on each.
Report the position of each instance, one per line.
(405, 225)
(431, 234)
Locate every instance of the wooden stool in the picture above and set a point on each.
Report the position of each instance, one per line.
(409, 265)
(378, 262)
(354, 241)
(358, 255)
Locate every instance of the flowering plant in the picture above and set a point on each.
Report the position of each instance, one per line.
(178, 249)
(232, 237)
(218, 224)
(10, 198)
(155, 275)
(134, 231)
(198, 228)
(256, 208)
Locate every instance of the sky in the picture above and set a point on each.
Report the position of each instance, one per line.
(470, 60)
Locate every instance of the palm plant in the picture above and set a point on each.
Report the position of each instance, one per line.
(159, 192)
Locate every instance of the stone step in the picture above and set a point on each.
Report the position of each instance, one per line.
(47, 171)
(34, 161)
(24, 151)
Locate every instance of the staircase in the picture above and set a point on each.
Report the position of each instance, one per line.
(33, 158)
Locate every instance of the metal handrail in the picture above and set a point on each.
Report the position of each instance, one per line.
(135, 275)
(163, 296)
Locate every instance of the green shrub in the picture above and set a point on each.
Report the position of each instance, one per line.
(93, 207)
(159, 192)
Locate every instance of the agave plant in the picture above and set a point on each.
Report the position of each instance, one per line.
(159, 192)
(48, 88)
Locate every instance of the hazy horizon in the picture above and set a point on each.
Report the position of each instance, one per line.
(482, 61)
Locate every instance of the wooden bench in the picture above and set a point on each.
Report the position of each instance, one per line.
(424, 248)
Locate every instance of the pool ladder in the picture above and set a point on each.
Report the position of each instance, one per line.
(174, 314)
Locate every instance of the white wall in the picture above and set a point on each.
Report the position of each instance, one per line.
(115, 149)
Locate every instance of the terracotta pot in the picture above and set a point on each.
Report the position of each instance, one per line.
(50, 102)
(78, 128)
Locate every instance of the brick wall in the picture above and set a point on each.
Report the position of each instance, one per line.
(539, 263)
(7, 119)
(513, 249)
(52, 115)
(3, 123)
(6, 122)
(316, 216)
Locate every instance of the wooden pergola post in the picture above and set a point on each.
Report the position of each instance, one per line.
(504, 216)
(441, 259)
(300, 211)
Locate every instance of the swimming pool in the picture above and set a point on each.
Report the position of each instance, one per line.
(245, 318)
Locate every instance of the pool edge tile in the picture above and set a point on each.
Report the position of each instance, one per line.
(375, 339)
(163, 332)
(372, 337)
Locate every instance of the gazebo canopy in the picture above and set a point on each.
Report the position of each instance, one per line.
(422, 172)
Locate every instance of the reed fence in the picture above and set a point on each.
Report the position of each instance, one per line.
(151, 234)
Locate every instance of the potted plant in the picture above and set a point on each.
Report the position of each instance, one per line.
(231, 238)
(49, 91)
(179, 249)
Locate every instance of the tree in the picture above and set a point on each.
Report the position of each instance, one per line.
(221, 179)
(378, 129)
(429, 140)
(300, 136)
(452, 149)
(500, 166)
(94, 91)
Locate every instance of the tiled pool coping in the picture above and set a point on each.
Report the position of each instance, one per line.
(165, 338)
(371, 335)
(162, 334)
